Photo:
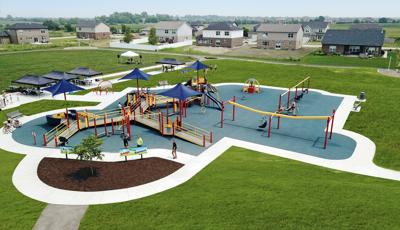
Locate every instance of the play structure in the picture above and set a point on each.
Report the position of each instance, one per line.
(293, 96)
(251, 86)
(140, 110)
(104, 87)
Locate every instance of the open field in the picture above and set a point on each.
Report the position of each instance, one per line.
(247, 190)
(392, 29)
(382, 93)
(13, 66)
(18, 211)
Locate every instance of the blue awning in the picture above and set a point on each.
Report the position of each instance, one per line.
(180, 92)
(33, 80)
(136, 74)
(198, 66)
(61, 87)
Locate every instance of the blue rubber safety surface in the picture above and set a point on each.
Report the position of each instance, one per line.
(301, 136)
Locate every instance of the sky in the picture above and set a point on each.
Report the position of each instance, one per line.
(274, 8)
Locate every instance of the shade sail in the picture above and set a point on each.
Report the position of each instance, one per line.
(61, 87)
(33, 80)
(59, 75)
(129, 54)
(180, 92)
(198, 66)
(84, 71)
(170, 61)
(136, 74)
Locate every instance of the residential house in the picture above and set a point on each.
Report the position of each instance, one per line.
(221, 34)
(92, 30)
(280, 36)
(353, 42)
(315, 31)
(173, 31)
(4, 38)
(25, 33)
(197, 28)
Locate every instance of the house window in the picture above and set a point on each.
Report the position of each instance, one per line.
(226, 33)
(218, 33)
(320, 30)
(166, 31)
(42, 31)
(290, 35)
(217, 42)
(354, 49)
(173, 31)
(332, 49)
(278, 46)
(265, 43)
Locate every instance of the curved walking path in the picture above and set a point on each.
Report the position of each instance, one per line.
(27, 182)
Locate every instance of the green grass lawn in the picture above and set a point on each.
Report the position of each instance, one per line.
(248, 190)
(18, 211)
(13, 66)
(376, 121)
(60, 33)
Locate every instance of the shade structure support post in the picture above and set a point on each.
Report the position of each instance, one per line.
(332, 123)
(326, 132)
(105, 124)
(95, 126)
(44, 140)
(66, 110)
(112, 126)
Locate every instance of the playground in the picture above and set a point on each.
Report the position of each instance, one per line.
(266, 116)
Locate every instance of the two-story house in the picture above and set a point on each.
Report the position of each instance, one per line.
(25, 33)
(92, 30)
(221, 34)
(173, 31)
(280, 36)
(315, 31)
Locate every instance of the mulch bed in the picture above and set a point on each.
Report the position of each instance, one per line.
(76, 175)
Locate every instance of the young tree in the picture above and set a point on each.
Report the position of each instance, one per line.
(113, 29)
(89, 149)
(383, 20)
(123, 28)
(246, 32)
(153, 39)
(128, 35)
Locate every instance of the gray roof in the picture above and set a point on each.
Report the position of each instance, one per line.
(33, 80)
(279, 28)
(87, 23)
(21, 26)
(84, 71)
(316, 25)
(4, 34)
(228, 26)
(168, 25)
(366, 26)
(354, 37)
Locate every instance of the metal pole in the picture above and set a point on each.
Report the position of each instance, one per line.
(234, 108)
(222, 114)
(279, 111)
(326, 132)
(269, 126)
(333, 120)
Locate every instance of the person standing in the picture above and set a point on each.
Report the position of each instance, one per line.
(126, 140)
(139, 141)
(174, 148)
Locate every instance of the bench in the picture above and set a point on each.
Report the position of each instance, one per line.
(133, 151)
(163, 83)
(14, 114)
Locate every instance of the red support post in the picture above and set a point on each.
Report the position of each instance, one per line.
(112, 126)
(326, 132)
(288, 99)
(234, 108)
(34, 138)
(77, 121)
(308, 85)
(56, 141)
(173, 105)
(211, 136)
(222, 114)
(269, 127)
(295, 95)
(67, 117)
(332, 122)
(95, 126)
(105, 124)
(162, 123)
(173, 128)
(204, 140)
(44, 140)
(279, 111)
(128, 126)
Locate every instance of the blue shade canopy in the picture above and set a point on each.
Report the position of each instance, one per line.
(63, 86)
(33, 80)
(136, 74)
(85, 72)
(198, 66)
(59, 75)
(180, 92)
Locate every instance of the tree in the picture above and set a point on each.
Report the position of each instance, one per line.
(89, 149)
(383, 20)
(320, 19)
(356, 21)
(51, 25)
(113, 29)
(68, 28)
(153, 39)
(246, 32)
(128, 35)
(123, 28)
